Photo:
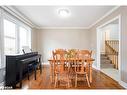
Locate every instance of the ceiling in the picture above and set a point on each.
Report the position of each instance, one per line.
(47, 16)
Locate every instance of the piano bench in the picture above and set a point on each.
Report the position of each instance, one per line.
(32, 67)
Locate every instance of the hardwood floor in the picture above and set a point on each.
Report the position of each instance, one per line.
(100, 81)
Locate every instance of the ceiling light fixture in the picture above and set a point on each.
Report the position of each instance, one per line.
(63, 12)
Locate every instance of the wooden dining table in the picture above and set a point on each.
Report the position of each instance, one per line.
(89, 60)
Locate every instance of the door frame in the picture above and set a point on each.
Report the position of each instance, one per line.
(98, 44)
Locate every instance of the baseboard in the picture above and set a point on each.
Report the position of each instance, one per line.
(123, 84)
(95, 67)
(45, 63)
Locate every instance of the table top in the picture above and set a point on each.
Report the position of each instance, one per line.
(73, 59)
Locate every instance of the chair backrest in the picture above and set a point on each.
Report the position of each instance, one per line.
(59, 54)
(83, 54)
(59, 58)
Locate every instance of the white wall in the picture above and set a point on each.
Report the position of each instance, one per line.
(114, 32)
(50, 39)
(34, 39)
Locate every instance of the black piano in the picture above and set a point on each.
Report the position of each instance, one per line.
(17, 67)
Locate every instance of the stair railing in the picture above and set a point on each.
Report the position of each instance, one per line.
(111, 50)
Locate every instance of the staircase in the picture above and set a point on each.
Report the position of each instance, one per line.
(112, 51)
(106, 62)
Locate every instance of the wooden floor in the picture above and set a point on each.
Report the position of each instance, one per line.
(100, 81)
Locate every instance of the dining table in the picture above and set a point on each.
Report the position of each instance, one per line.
(53, 61)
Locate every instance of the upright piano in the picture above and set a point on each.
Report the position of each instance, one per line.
(17, 67)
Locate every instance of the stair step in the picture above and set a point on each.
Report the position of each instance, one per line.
(104, 58)
(103, 55)
(107, 65)
(106, 61)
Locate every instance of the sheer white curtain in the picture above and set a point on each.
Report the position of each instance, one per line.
(0, 39)
(2, 57)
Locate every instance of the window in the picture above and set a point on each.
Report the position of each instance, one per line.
(24, 37)
(9, 37)
(15, 37)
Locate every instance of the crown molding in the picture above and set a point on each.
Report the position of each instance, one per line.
(26, 20)
(61, 27)
(104, 16)
(18, 15)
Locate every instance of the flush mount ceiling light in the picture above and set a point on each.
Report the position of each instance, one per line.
(63, 12)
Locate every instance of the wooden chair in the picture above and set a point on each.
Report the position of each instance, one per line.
(82, 66)
(64, 56)
(60, 74)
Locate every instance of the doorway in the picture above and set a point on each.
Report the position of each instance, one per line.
(108, 48)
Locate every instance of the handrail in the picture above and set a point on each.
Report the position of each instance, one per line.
(111, 50)
(113, 44)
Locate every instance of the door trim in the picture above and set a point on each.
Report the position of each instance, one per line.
(98, 44)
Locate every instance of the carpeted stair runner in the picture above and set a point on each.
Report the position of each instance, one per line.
(106, 62)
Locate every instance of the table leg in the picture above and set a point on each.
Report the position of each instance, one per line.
(40, 65)
(51, 72)
(90, 77)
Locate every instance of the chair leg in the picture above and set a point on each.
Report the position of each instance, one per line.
(76, 81)
(87, 80)
(68, 83)
(55, 81)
